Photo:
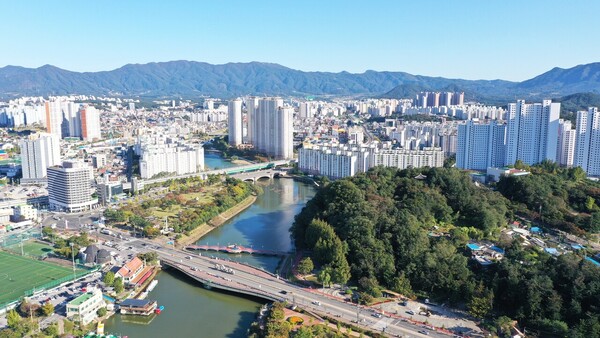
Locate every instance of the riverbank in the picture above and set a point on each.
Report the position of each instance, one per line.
(215, 222)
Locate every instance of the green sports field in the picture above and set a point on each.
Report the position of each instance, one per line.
(19, 274)
(31, 248)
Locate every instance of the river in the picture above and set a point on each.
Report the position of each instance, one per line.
(192, 311)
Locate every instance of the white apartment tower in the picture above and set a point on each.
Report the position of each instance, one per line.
(566, 143)
(480, 145)
(251, 107)
(235, 122)
(70, 187)
(54, 118)
(38, 152)
(274, 130)
(532, 132)
(587, 149)
(90, 123)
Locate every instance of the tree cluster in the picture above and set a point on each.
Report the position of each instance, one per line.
(406, 230)
(557, 197)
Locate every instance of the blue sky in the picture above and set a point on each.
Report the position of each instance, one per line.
(485, 39)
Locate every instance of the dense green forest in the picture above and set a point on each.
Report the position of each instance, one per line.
(406, 230)
(564, 197)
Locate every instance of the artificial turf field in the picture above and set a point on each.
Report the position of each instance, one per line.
(19, 274)
(31, 248)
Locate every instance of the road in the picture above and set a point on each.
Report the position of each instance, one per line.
(259, 281)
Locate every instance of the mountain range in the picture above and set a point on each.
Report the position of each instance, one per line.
(191, 79)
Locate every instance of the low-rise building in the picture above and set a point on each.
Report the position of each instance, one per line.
(83, 308)
(494, 174)
(130, 270)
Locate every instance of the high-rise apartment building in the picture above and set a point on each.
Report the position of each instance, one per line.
(160, 154)
(90, 123)
(436, 99)
(480, 145)
(38, 152)
(532, 132)
(274, 130)
(54, 118)
(338, 160)
(587, 149)
(70, 187)
(566, 143)
(251, 107)
(235, 122)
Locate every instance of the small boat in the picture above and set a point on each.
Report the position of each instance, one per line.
(159, 309)
(234, 248)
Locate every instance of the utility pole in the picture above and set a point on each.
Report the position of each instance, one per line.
(73, 258)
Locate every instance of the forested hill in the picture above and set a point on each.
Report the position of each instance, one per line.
(395, 229)
(191, 79)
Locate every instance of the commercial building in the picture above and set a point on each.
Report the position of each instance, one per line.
(38, 152)
(235, 127)
(587, 149)
(480, 145)
(532, 132)
(140, 307)
(25, 212)
(130, 270)
(70, 187)
(83, 308)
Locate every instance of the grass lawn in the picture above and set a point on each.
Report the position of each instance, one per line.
(19, 274)
(32, 248)
(206, 196)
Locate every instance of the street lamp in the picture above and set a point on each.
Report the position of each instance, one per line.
(73, 258)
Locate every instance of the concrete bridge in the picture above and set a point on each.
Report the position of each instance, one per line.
(226, 171)
(257, 175)
(222, 274)
(211, 280)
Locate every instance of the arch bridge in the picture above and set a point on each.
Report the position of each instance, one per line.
(257, 175)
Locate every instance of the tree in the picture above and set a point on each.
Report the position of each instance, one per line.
(48, 232)
(118, 285)
(101, 312)
(401, 284)
(324, 276)
(51, 330)
(148, 257)
(479, 307)
(13, 319)
(109, 278)
(305, 266)
(47, 309)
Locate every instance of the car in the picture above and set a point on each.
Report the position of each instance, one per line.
(283, 292)
(410, 312)
(317, 303)
(377, 315)
(188, 257)
(424, 332)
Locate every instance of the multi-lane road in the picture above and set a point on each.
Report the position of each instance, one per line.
(254, 281)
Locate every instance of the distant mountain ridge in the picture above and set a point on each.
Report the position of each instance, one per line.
(195, 79)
